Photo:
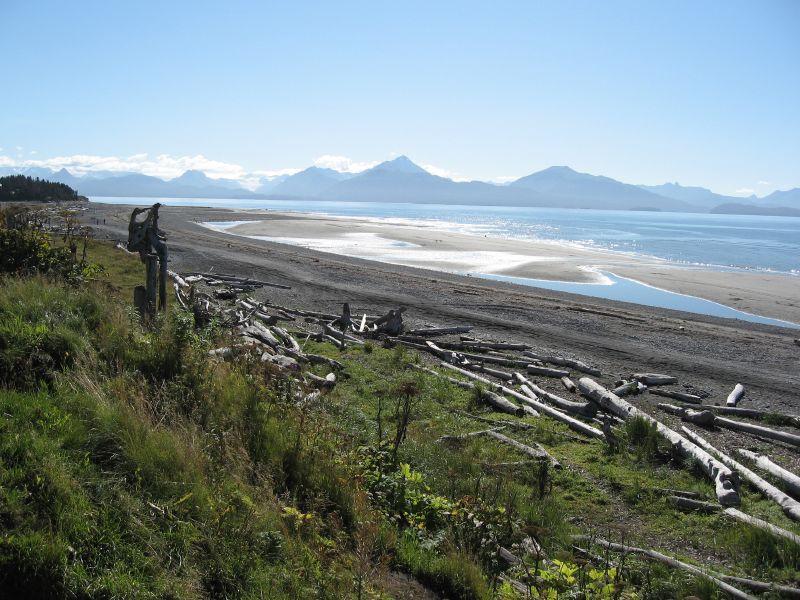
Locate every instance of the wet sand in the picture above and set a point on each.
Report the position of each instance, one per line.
(767, 294)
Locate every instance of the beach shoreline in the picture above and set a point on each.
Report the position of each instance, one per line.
(709, 352)
(763, 293)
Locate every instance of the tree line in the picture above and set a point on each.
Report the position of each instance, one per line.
(21, 188)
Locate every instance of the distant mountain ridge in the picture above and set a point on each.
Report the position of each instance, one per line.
(401, 180)
(697, 196)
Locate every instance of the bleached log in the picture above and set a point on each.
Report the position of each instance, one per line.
(279, 360)
(363, 323)
(571, 422)
(629, 387)
(669, 561)
(489, 397)
(317, 359)
(537, 453)
(298, 356)
(480, 345)
(496, 360)
(683, 397)
(263, 335)
(519, 425)
(650, 379)
(761, 524)
(563, 362)
(790, 506)
(725, 480)
(244, 280)
(177, 278)
(585, 409)
(546, 371)
(568, 384)
(735, 396)
(179, 297)
(752, 413)
(504, 375)
(790, 481)
(501, 404)
(334, 341)
(321, 383)
(707, 507)
(784, 591)
(707, 418)
(693, 504)
(331, 331)
(287, 338)
(435, 331)
(671, 492)
(760, 431)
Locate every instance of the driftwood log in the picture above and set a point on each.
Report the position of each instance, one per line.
(537, 453)
(761, 524)
(504, 375)
(627, 388)
(682, 396)
(751, 413)
(669, 561)
(494, 400)
(787, 478)
(563, 362)
(725, 480)
(518, 425)
(585, 409)
(736, 395)
(651, 379)
(546, 371)
(706, 418)
(571, 422)
(790, 506)
(436, 331)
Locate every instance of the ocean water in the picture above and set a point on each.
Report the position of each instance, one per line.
(724, 242)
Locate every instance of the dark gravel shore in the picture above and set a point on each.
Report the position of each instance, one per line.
(708, 353)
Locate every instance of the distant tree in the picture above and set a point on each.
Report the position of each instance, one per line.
(21, 188)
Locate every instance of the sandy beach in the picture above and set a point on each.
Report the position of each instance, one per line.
(415, 245)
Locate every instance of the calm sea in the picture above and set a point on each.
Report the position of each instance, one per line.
(725, 241)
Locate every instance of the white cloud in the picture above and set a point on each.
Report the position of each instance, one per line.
(164, 165)
(167, 166)
(764, 183)
(343, 164)
(745, 191)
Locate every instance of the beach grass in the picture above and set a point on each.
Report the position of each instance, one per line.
(132, 464)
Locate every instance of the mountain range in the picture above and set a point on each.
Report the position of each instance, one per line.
(401, 180)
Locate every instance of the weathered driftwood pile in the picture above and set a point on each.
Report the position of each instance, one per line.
(509, 378)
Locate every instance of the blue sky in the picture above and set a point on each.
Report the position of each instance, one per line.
(705, 93)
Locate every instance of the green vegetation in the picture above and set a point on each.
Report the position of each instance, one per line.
(21, 188)
(134, 465)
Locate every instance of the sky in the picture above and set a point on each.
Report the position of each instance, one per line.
(703, 93)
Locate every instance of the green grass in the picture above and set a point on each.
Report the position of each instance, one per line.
(132, 465)
(611, 494)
